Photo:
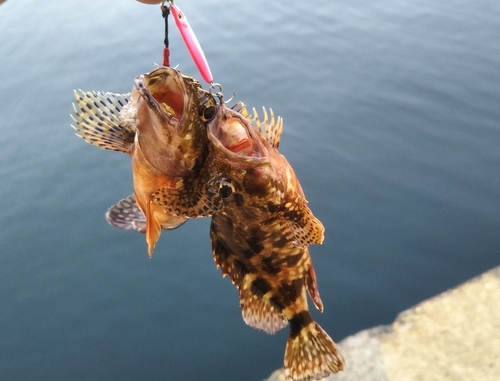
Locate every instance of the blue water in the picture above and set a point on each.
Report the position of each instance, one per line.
(392, 123)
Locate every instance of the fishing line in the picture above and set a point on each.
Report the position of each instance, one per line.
(165, 12)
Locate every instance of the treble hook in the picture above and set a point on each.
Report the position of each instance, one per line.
(218, 94)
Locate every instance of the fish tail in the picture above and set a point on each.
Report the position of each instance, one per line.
(310, 353)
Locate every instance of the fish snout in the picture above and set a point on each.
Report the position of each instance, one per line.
(144, 92)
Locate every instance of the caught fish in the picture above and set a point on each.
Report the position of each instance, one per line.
(261, 229)
(160, 127)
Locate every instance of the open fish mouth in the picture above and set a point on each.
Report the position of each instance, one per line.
(235, 138)
(164, 92)
(169, 132)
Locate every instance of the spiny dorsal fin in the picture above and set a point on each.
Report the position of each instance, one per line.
(241, 108)
(300, 225)
(271, 129)
(126, 215)
(97, 120)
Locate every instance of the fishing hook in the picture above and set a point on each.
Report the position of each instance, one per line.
(218, 94)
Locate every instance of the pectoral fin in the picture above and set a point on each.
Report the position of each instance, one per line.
(126, 215)
(299, 224)
(97, 120)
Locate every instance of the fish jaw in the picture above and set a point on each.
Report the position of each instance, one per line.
(170, 132)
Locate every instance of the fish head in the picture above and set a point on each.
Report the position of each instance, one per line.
(252, 183)
(170, 132)
(245, 172)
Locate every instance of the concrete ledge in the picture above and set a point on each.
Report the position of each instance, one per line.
(454, 336)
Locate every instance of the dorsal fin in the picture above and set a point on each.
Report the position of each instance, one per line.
(97, 120)
(270, 128)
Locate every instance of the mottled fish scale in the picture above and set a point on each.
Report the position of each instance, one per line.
(260, 239)
(159, 126)
(272, 274)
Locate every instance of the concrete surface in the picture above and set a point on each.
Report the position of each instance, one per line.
(454, 336)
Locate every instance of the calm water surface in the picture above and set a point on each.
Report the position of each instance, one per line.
(392, 123)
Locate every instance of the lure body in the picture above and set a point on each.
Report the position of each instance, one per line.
(192, 43)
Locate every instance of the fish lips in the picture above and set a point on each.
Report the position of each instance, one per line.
(164, 84)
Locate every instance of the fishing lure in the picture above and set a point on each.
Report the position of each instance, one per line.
(191, 42)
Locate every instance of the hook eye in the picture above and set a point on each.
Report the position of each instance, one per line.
(170, 3)
(226, 188)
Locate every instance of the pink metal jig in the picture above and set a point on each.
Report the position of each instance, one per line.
(192, 43)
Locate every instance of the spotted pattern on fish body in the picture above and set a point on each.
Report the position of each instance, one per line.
(260, 236)
(160, 127)
(272, 277)
(261, 225)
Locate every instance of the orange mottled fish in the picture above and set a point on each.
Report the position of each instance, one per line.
(159, 126)
(261, 229)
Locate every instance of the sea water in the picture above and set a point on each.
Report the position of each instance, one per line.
(392, 124)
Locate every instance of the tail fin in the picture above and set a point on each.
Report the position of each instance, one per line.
(311, 354)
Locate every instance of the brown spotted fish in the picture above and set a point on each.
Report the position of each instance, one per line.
(159, 126)
(261, 229)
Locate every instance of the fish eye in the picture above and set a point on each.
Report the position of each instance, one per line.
(207, 108)
(208, 113)
(226, 189)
